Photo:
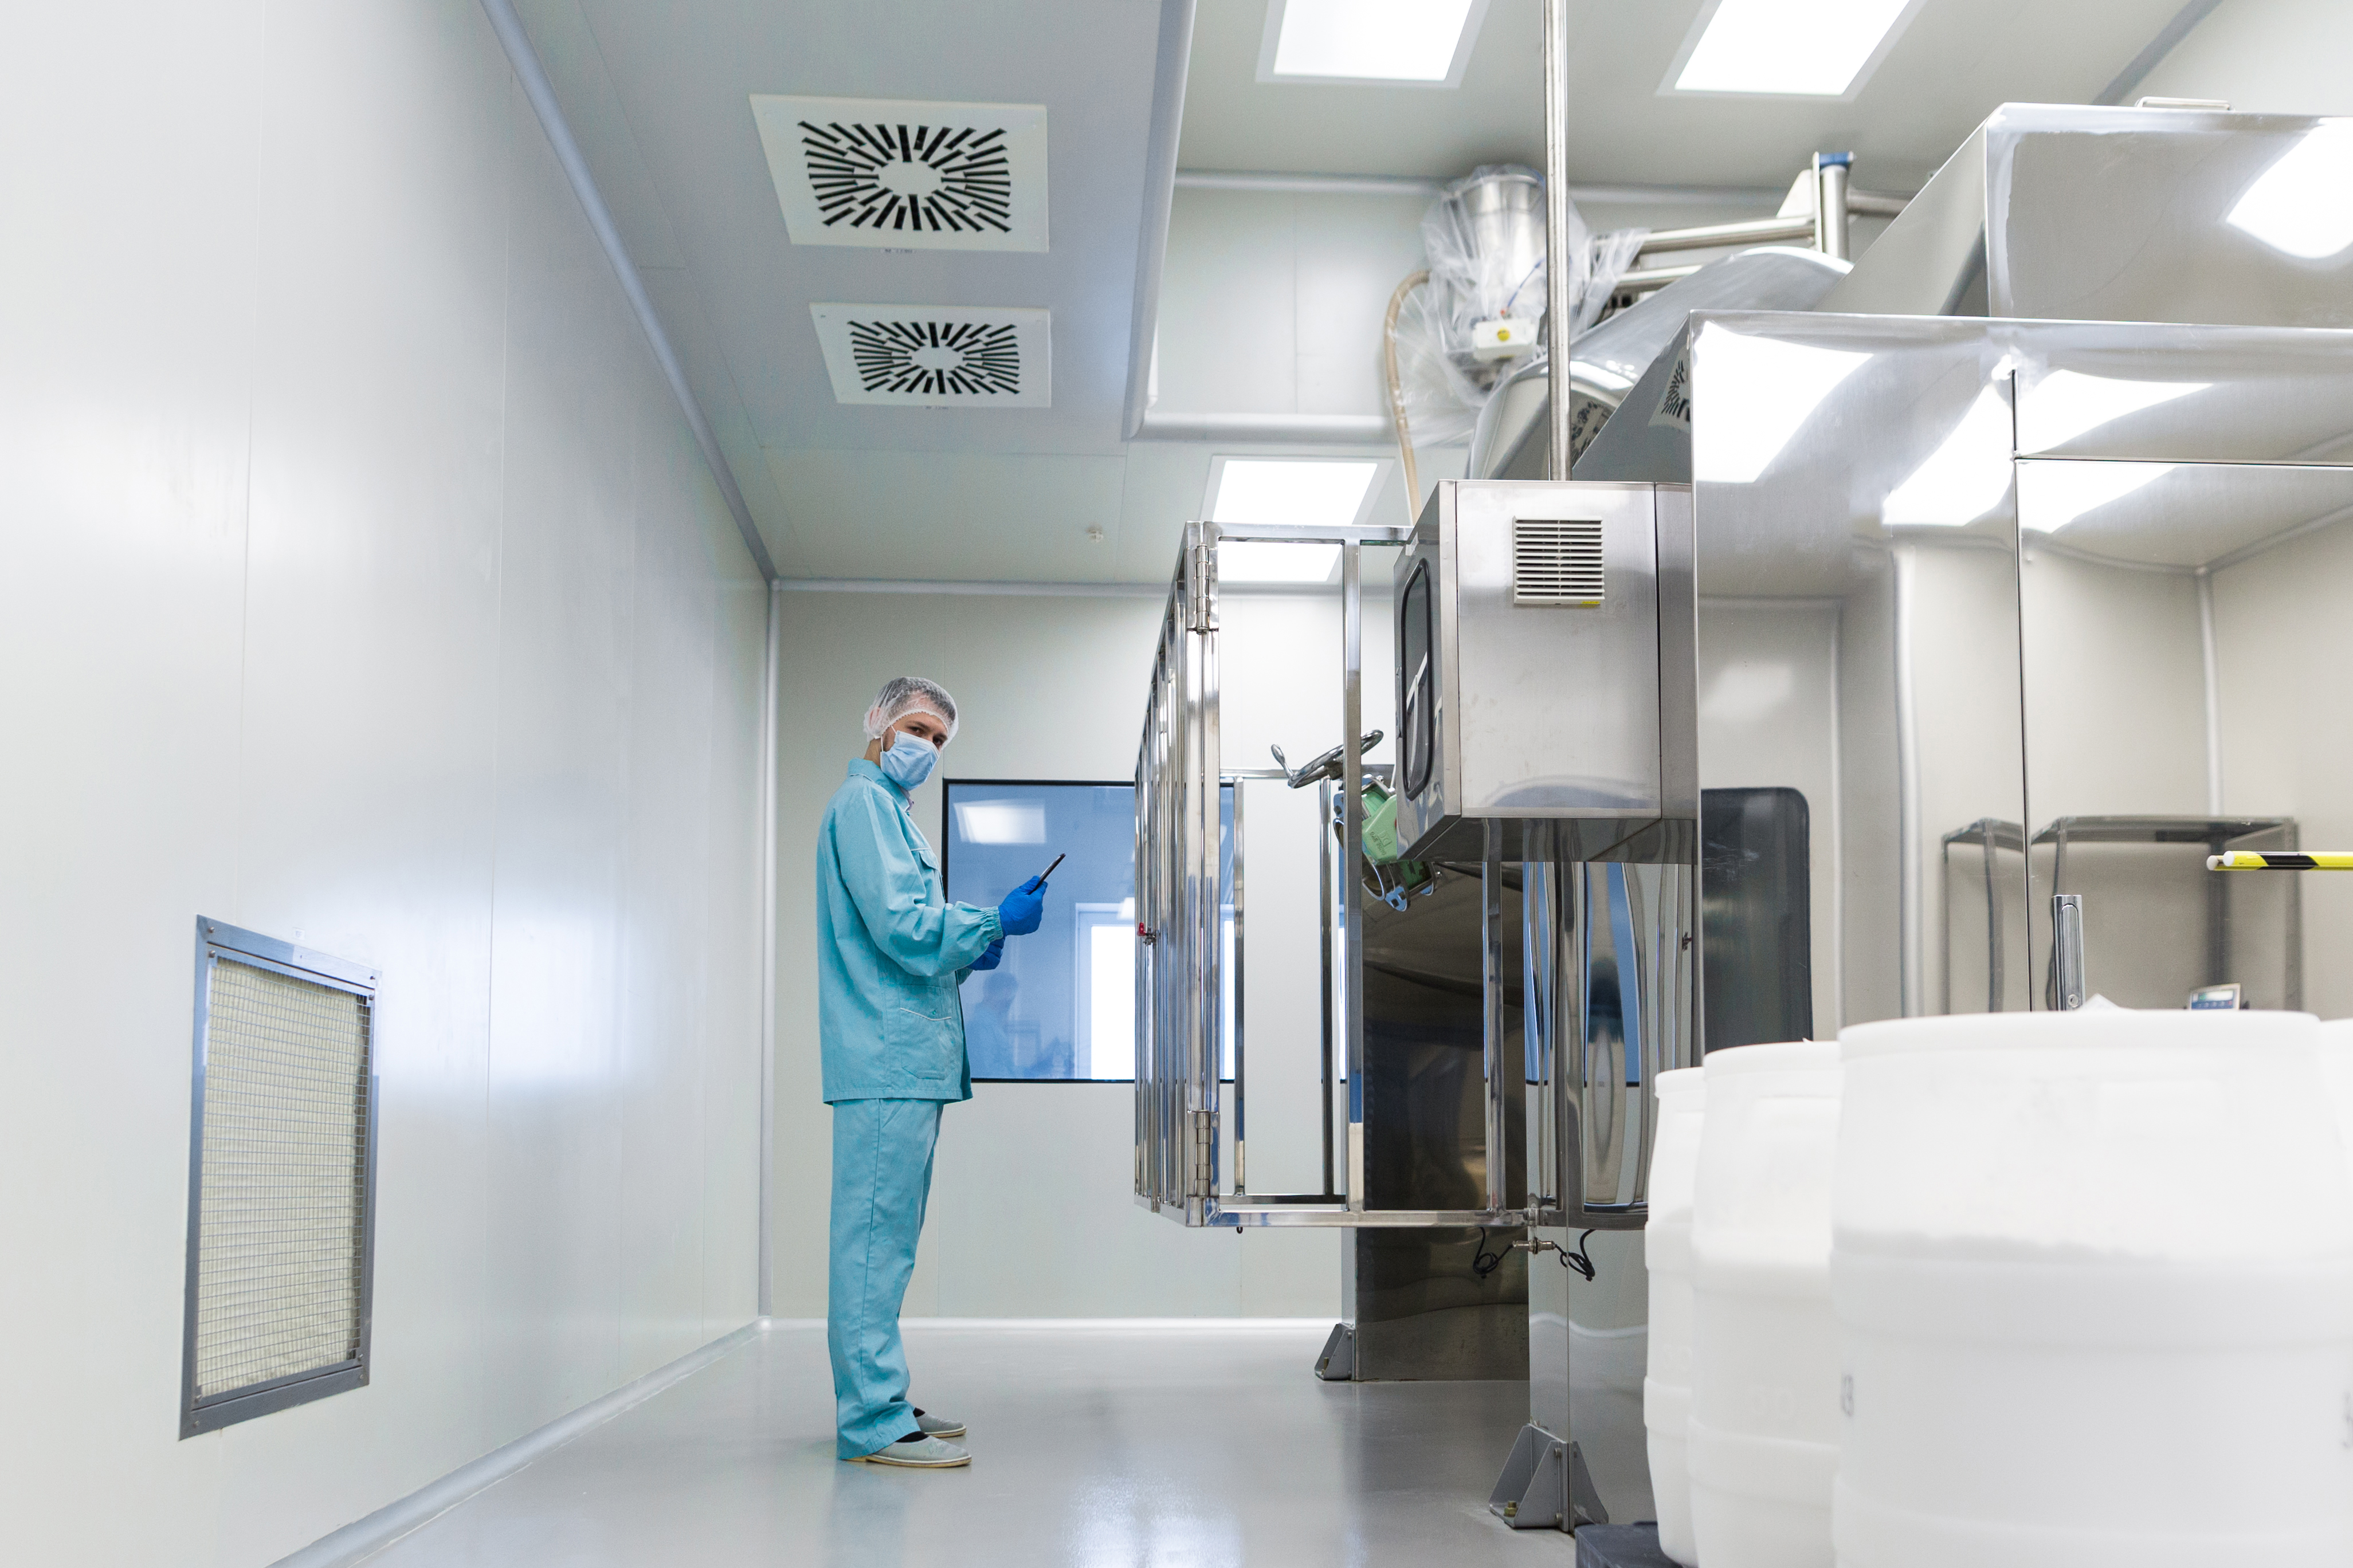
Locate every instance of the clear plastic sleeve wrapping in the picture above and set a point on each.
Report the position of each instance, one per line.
(1483, 271)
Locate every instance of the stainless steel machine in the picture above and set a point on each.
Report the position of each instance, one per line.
(1871, 665)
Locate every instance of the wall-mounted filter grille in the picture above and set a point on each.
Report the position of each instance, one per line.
(935, 356)
(278, 1228)
(928, 176)
(1556, 561)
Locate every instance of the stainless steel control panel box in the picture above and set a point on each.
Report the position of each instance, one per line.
(1544, 666)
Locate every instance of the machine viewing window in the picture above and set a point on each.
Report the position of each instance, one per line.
(1061, 1006)
(1417, 709)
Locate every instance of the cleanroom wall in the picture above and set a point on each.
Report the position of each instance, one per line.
(2281, 635)
(2271, 57)
(1031, 1213)
(365, 588)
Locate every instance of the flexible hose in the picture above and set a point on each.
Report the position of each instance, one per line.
(1397, 393)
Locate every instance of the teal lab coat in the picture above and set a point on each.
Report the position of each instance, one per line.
(890, 952)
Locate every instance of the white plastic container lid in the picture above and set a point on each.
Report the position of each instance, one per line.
(2157, 1136)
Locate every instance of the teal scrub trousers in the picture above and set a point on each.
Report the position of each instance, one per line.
(881, 1178)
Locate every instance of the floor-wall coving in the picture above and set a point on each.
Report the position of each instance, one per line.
(1100, 1445)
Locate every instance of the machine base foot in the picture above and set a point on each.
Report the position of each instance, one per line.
(1545, 1486)
(1338, 1364)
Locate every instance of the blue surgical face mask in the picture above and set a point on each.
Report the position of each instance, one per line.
(910, 760)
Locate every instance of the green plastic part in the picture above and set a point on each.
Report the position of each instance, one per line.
(1380, 837)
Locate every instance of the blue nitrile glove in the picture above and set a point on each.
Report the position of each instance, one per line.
(1024, 908)
(991, 956)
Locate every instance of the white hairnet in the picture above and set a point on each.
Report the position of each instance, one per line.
(902, 694)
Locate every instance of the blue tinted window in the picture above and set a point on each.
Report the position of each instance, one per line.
(1062, 1003)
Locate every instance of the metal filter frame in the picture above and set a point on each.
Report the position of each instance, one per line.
(218, 941)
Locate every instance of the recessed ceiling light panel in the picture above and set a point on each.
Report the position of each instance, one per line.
(1319, 492)
(936, 356)
(1796, 48)
(883, 173)
(1385, 43)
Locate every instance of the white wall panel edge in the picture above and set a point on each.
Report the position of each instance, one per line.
(536, 85)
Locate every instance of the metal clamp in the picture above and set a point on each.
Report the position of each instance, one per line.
(2066, 993)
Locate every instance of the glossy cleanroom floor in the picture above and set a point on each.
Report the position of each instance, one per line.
(1106, 1446)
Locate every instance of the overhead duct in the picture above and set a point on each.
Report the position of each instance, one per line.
(1512, 439)
(2204, 217)
(1481, 308)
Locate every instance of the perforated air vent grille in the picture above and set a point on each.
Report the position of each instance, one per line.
(937, 179)
(900, 175)
(967, 359)
(1556, 561)
(935, 356)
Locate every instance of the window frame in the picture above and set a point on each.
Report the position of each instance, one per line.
(946, 848)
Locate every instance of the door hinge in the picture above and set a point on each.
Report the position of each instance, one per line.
(1205, 1137)
(1204, 596)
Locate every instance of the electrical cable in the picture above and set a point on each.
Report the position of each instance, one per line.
(1579, 1260)
(1485, 1262)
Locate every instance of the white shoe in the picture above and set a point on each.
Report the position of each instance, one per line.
(938, 1426)
(917, 1453)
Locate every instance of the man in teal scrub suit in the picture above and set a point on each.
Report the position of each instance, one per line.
(891, 953)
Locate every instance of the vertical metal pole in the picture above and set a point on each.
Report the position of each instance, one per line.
(1324, 903)
(1240, 1167)
(1574, 1054)
(1490, 975)
(1352, 852)
(2218, 906)
(1540, 1009)
(1208, 779)
(1559, 303)
(1910, 903)
(1830, 171)
(2213, 674)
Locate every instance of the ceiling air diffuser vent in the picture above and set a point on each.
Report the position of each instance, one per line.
(1556, 562)
(918, 177)
(935, 356)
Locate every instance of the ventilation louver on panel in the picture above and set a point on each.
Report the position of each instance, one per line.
(279, 1264)
(919, 176)
(1556, 562)
(935, 356)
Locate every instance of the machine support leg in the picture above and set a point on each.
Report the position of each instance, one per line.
(1545, 1486)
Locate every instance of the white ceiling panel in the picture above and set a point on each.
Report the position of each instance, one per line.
(660, 100)
(1952, 63)
(929, 516)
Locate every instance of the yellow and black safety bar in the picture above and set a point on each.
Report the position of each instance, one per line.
(2279, 860)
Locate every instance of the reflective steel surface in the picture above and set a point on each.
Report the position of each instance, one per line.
(1512, 711)
(2026, 570)
(2077, 213)
(1512, 439)
(1448, 1302)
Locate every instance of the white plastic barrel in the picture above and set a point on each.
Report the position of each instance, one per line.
(1765, 1413)
(1666, 1388)
(2093, 1275)
(2337, 1073)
